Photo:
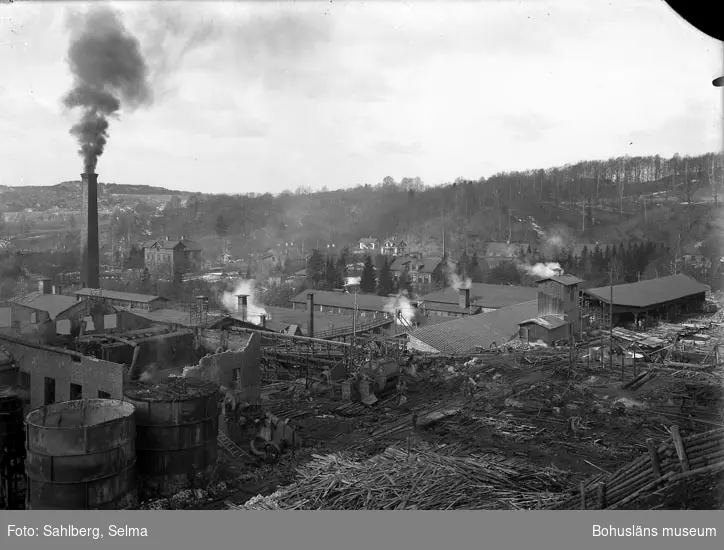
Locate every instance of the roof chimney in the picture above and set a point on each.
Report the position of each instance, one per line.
(241, 305)
(263, 321)
(464, 298)
(44, 286)
(90, 257)
(310, 311)
(58, 289)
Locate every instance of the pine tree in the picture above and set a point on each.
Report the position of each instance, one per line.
(403, 283)
(341, 271)
(315, 267)
(385, 285)
(330, 273)
(476, 274)
(368, 281)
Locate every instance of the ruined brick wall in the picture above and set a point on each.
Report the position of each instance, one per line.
(92, 374)
(240, 365)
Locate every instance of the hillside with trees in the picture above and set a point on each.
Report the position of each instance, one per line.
(632, 198)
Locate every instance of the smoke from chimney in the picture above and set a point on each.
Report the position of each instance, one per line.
(244, 287)
(109, 71)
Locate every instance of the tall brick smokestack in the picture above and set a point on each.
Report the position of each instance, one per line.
(90, 257)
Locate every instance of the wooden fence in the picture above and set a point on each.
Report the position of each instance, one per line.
(670, 462)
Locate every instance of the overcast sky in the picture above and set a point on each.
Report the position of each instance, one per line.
(253, 97)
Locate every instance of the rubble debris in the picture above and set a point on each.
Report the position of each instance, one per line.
(425, 478)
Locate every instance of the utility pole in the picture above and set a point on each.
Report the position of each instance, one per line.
(610, 322)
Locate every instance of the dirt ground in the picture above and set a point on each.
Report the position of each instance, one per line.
(577, 419)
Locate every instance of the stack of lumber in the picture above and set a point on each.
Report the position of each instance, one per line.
(421, 479)
(672, 461)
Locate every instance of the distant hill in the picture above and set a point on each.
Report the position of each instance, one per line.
(672, 201)
(67, 195)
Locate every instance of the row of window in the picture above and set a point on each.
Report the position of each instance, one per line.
(50, 386)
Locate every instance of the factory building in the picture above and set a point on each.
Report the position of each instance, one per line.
(123, 300)
(474, 298)
(640, 303)
(559, 314)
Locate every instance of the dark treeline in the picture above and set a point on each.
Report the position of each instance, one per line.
(483, 209)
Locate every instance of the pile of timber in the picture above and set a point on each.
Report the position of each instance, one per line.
(671, 462)
(421, 479)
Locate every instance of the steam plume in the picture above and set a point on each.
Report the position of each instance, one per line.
(454, 280)
(254, 311)
(543, 270)
(108, 71)
(401, 304)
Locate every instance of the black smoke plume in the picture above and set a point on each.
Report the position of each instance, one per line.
(109, 71)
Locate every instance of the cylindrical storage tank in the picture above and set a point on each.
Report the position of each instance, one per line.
(12, 423)
(178, 426)
(81, 455)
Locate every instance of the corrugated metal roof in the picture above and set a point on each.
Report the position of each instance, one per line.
(485, 295)
(168, 316)
(549, 322)
(566, 280)
(649, 293)
(368, 302)
(451, 308)
(477, 331)
(53, 304)
(116, 295)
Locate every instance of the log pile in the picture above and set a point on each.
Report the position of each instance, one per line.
(420, 479)
(670, 462)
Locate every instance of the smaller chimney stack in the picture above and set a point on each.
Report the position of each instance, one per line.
(310, 312)
(58, 289)
(464, 298)
(44, 286)
(241, 305)
(263, 321)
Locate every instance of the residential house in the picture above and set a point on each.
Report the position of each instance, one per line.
(393, 247)
(367, 245)
(171, 258)
(695, 257)
(505, 249)
(419, 270)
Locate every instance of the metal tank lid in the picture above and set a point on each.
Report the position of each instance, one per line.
(79, 413)
(171, 389)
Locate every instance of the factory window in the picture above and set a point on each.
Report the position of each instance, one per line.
(76, 392)
(24, 381)
(49, 391)
(33, 317)
(103, 395)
